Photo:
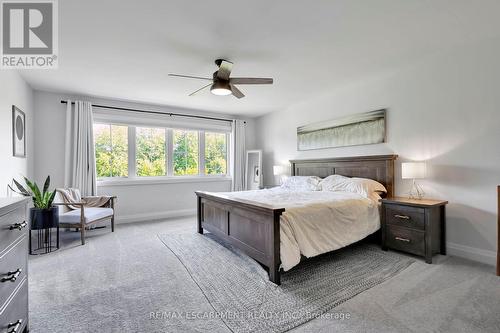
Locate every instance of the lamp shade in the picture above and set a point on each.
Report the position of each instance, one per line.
(278, 170)
(413, 170)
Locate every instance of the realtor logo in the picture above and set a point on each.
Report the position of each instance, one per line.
(29, 34)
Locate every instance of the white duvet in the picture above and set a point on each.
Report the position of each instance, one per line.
(317, 222)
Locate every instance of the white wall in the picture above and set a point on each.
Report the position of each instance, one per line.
(14, 91)
(136, 202)
(445, 110)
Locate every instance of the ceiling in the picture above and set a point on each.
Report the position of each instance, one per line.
(125, 49)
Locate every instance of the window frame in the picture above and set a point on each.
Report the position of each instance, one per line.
(169, 177)
(134, 156)
(112, 123)
(199, 152)
(228, 151)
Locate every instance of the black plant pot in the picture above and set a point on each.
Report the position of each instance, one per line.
(44, 218)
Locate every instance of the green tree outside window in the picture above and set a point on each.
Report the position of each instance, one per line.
(185, 159)
(150, 151)
(215, 154)
(111, 150)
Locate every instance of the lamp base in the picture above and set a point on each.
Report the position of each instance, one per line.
(416, 191)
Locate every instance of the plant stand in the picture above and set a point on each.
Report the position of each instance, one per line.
(44, 242)
(43, 221)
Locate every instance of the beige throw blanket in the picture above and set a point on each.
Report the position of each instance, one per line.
(72, 195)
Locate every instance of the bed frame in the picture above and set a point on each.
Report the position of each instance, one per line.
(255, 228)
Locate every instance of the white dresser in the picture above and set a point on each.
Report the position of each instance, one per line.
(13, 265)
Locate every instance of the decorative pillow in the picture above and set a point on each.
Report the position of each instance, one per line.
(302, 183)
(364, 186)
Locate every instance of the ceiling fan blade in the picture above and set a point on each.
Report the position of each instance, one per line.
(236, 92)
(224, 71)
(194, 92)
(251, 80)
(191, 77)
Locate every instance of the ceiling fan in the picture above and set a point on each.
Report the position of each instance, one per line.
(221, 84)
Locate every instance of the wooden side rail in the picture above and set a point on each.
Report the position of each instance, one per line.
(251, 227)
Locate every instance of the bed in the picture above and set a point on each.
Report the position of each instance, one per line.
(260, 223)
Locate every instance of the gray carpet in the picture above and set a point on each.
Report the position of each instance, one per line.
(114, 283)
(241, 294)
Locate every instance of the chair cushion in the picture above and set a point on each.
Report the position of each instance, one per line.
(91, 214)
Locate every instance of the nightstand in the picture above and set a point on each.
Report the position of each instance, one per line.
(414, 226)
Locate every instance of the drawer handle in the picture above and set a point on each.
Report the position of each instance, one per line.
(18, 226)
(404, 217)
(12, 276)
(402, 239)
(15, 326)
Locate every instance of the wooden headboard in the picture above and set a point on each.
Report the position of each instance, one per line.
(376, 167)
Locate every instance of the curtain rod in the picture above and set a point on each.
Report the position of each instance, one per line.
(153, 112)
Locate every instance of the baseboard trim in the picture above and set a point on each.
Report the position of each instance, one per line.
(154, 216)
(472, 253)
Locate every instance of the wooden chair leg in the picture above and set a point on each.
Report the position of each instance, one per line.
(82, 233)
(82, 224)
(112, 206)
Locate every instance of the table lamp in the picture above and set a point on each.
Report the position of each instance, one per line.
(414, 170)
(279, 170)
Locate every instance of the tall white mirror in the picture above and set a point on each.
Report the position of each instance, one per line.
(253, 170)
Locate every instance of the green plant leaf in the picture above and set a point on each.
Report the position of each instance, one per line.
(45, 198)
(47, 184)
(30, 185)
(37, 195)
(51, 199)
(21, 188)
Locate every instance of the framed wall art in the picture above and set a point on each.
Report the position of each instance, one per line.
(18, 132)
(358, 129)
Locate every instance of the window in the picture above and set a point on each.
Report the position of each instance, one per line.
(185, 152)
(150, 151)
(111, 150)
(138, 152)
(215, 153)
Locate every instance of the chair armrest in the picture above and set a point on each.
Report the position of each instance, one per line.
(68, 204)
(109, 200)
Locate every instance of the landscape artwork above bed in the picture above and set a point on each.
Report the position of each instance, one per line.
(358, 129)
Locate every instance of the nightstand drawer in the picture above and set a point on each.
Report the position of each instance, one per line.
(405, 216)
(405, 239)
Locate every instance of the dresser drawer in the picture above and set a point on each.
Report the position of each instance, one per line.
(12, 226)
(16, 310)
(12, 260)
(405, 239)
(411, 217)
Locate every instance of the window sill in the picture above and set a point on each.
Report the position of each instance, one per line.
(161, 180)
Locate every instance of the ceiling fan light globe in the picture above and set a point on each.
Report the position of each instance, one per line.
(220, 89)
(220, 92)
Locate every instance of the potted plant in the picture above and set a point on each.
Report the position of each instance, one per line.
(43, 215)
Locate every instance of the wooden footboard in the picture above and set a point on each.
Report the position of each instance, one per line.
(251, 227)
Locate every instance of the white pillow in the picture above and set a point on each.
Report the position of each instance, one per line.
(302, 183)
(331, 183)
(368, 188)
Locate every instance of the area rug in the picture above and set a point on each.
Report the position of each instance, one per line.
(242, 296)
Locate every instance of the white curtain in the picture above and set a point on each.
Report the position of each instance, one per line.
(79, 169)
(239, 155)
